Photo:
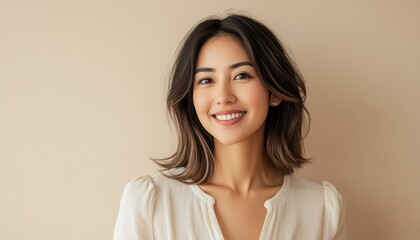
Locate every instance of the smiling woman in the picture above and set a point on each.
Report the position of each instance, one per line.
(238, 105)
(232, 104)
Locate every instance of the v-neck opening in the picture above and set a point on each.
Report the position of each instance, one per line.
(268, 204)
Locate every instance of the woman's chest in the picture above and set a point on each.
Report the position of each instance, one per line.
(240, 218)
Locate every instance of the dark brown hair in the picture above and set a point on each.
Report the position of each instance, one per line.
(284, 123)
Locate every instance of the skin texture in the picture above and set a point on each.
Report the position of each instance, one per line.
(241, 182)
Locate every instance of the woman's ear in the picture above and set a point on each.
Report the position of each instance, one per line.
(274, 100)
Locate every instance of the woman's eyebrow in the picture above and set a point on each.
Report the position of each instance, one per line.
(233, 66)
(240, 64)
(204, 69)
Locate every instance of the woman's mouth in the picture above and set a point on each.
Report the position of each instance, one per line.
(227, 117)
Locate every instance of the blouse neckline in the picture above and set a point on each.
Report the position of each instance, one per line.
(268, 204)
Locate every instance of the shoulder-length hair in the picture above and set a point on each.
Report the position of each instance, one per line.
(284, 124)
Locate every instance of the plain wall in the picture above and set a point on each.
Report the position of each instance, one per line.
(82, 106)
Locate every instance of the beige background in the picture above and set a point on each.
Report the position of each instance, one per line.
(82, 106)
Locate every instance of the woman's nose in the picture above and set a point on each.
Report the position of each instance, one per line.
(224, 94)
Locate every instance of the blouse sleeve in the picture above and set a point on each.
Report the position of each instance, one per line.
(334, 213)
(134, 221)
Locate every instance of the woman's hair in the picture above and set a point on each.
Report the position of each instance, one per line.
(284, 124)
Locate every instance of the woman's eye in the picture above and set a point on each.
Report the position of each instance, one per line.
(204, 81)
(242, 76)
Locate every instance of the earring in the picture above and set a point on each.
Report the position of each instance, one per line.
(273, 104)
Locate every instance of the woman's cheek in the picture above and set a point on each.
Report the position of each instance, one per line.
(200, 102)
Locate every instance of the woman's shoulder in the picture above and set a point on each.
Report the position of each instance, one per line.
(137, 205)
(310, 194)
(326, 189)
(147, 184)
(138, 192)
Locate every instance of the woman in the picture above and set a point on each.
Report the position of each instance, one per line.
(238, 106)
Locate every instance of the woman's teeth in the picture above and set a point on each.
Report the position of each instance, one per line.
(225, 117)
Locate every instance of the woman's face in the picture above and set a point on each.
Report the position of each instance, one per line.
(229, 97)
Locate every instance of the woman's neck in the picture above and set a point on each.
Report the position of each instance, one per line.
(242, 166)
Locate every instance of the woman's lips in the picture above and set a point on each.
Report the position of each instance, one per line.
(228, 118)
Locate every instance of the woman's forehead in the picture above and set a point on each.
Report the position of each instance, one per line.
(221, 51)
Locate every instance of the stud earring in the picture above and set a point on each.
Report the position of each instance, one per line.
(273, 104)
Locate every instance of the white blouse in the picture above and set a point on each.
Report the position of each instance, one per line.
(157, 207)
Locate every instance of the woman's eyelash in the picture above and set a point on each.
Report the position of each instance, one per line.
(243, 76)
(204, 81)
(238, 76)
